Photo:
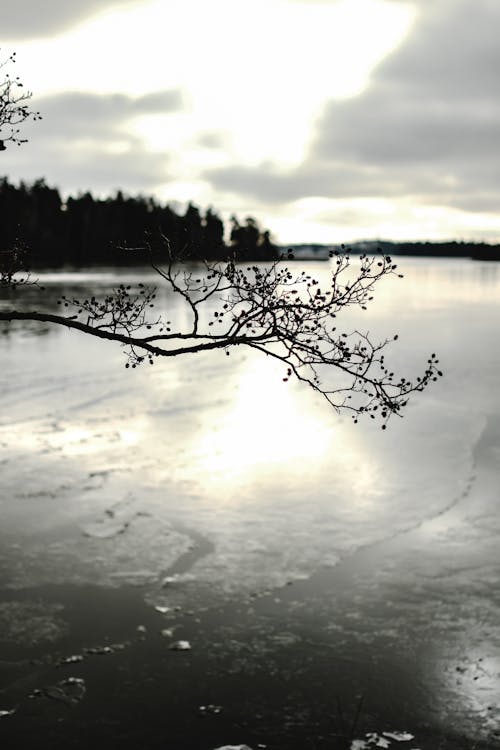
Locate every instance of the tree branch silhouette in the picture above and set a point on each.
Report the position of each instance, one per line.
(269, 308)
(14, 109)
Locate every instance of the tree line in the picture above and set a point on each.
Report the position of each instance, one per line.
(438, 249)
(121, 229)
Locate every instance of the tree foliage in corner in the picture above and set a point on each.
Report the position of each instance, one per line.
(269, 308)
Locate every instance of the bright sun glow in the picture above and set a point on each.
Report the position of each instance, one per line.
(258, 77)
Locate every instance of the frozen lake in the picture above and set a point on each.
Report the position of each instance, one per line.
(313, 560)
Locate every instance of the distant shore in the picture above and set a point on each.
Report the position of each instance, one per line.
(427, 249)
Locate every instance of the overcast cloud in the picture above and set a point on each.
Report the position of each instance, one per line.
(427, 126)
(78, 113)
(84, 142)
(31, 19)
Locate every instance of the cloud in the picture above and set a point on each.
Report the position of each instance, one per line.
(269, 185)
(31, 19)
(430, 121)
(313, 179)
(212, 140)
(78, 112)
(84, 142)
(427, 126)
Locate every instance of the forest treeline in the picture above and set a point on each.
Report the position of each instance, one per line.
(441, 249)
(87, 230)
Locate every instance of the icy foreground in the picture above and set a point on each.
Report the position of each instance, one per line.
(206, 481)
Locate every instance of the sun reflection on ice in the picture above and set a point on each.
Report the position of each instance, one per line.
(266, 425)
(130, 437)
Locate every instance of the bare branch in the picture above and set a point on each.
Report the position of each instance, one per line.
(14, 108)
(14, 268)
(268, 308)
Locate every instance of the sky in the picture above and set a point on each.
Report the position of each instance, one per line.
(327, 120)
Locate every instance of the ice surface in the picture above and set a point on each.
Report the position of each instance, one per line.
(105, 530)
(30, 623)
(74, 659)
(7, 712)
(162, 610)
(382, 740)
(100, 650)
(399, 736)
(209, 709)
(180, 646)
(111, 478)
(69, 691)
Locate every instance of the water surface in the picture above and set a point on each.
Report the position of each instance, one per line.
(320, 560)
